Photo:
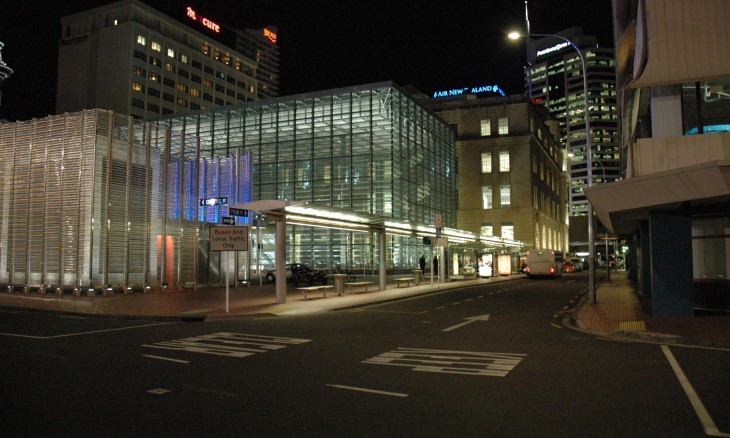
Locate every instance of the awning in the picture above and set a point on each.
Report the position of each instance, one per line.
(314, 215)
(621, 205)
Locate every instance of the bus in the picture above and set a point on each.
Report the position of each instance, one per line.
(544, 263)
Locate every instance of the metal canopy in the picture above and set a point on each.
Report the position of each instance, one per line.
(302, 213)
(621, 205)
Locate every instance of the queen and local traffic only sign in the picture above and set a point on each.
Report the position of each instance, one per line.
(228, 238)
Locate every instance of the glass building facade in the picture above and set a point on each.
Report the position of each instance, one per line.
(369, 149)
(96, 200)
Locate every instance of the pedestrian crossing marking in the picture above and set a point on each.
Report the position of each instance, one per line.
(228, 344)
(450, 362)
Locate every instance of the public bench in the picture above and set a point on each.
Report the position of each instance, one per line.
(406, 280)
(355, 284)
(307, 289)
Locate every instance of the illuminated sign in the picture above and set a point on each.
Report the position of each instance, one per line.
(270, 35)
(552, 49)
(215, 27)
(470, 90)
(213, 201)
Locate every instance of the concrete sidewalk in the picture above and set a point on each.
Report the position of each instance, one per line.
(618, 311)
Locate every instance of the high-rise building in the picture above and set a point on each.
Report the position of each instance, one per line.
(554, 78)
(260, 45)
(132, 59)
(511, 170)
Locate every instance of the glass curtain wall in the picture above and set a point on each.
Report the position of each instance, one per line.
(369, 149)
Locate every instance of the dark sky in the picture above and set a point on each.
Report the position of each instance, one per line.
(325, 44)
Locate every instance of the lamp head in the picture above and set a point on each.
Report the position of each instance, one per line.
(515, 35)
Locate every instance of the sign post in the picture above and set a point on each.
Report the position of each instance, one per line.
(228, 239)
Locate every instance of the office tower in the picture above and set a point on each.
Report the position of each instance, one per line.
(261, 46)
(554, 78)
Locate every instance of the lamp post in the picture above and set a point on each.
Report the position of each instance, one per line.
(589, 158)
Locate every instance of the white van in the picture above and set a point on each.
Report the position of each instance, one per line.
(544, 263)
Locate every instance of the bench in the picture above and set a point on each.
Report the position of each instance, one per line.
(306, 289)
(406, 280)
(355, 284)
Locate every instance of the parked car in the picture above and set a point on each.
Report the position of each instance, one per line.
(569, 267)
(299, 273)
(271, 274)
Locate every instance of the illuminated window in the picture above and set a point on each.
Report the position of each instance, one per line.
(205, 49)
(138, 71)
(154, 77)
(487, 197)
(182, 87)
(504, 196)
(486, 162)
(170, 53)
(155, 61)
(136, 86)
(195, 92)
(169, 67)
(486, 127)
(157, 47)
(487, 230)
(504, 161)
(142, 41)
(508, 231)
(183, 58)
(182, 102)
(503, 126)
(208, 83)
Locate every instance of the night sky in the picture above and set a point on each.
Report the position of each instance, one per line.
(325, 44)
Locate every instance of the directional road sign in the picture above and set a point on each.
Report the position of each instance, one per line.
(238, 211)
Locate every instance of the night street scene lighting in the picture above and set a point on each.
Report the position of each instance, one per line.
(589, 160)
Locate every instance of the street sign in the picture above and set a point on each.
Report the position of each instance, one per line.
(214, 201)
(228, 220)
(228, 238)
(238, 211)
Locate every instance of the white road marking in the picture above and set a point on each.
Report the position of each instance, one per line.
(86, 333)
(450, 362)
(707, 423)
(468, 321)
(165, 358)
(373, 391)
(228, 344)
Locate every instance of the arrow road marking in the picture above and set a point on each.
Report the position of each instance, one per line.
(468, 321)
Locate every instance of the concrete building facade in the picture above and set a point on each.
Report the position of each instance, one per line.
(132, 59)
(675, 139)
(511, 170)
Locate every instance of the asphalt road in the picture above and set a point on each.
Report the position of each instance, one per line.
(492, 360)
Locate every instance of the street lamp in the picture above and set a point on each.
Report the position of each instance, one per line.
(589, 158)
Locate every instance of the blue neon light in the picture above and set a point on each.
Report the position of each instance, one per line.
(470, 90)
